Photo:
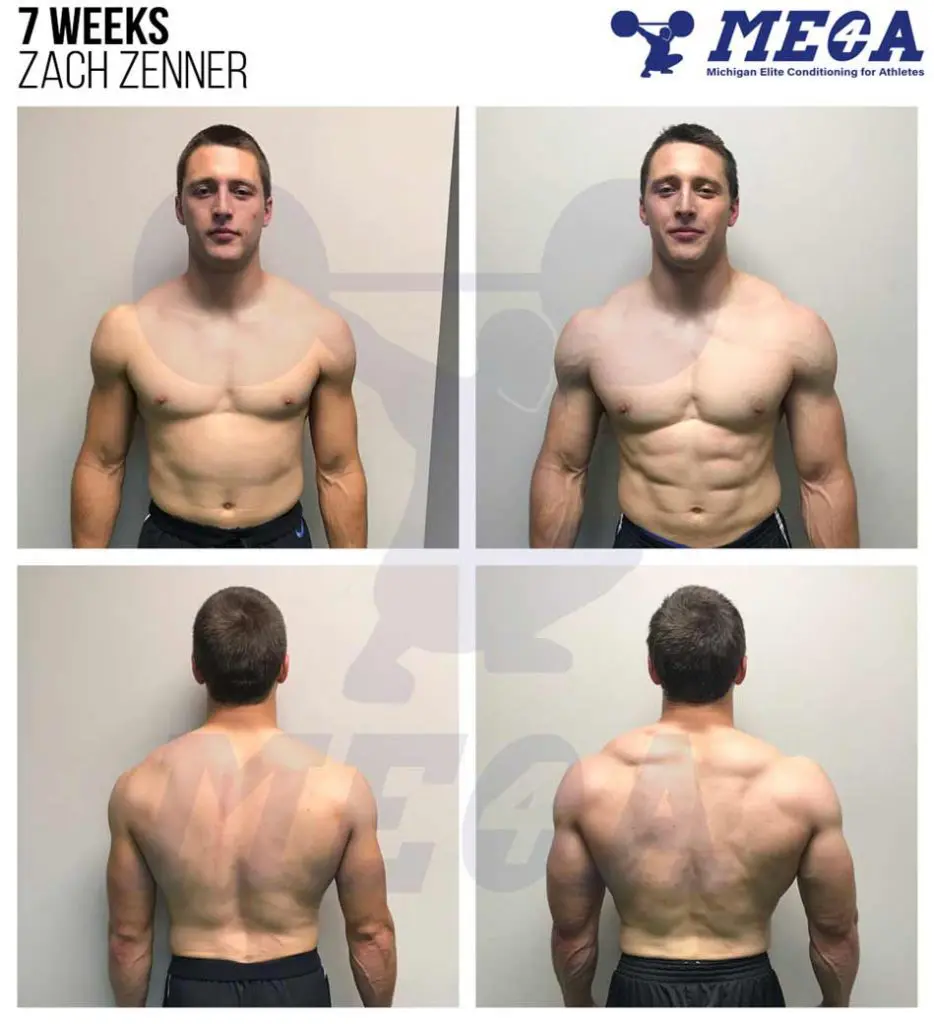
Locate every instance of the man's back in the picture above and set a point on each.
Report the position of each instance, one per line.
(696, 835)
(243, 833)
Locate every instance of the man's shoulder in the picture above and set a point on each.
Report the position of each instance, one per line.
(801, 785)
(795, 320)
(594, 773)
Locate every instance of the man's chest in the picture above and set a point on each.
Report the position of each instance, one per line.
(181, 372)
(724, 378)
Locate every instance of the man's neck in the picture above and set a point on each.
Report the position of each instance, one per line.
(698, 717)
(245, 718)
(694, 291)
(225, 290)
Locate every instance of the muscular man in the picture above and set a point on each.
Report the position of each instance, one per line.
(243, 828)
(224, 365)
(694, 367)
(697, 830)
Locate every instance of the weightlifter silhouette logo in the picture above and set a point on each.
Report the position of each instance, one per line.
(660, 58)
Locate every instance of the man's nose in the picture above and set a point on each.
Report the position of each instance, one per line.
(685, 206)
(222, 204)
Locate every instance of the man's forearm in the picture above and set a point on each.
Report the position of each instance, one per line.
(342, 499)
(130, 966)
(556, 506)
(95, 501)
(575, 962)
(373, 964)
(835, 962)
(829, 509)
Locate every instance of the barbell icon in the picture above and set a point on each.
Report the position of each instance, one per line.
(626, 23)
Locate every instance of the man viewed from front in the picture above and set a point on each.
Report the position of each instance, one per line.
(697, 829)
(243, 828)
(224, 365)
(693, 367)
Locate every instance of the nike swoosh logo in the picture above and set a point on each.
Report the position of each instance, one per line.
(301, 531)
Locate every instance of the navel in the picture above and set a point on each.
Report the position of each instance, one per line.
(228, 505)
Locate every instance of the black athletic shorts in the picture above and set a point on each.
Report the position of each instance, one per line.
(162, 530)
(655, 981)
(772, 532)
(297, 980)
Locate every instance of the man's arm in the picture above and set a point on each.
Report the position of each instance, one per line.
(560, 475)
(332, 418)
(818, 440)
(575, 896)
(97, 481)
(131, 899)
(827, 885)
(361, 891)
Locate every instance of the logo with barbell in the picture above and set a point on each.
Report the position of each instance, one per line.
(660, 58)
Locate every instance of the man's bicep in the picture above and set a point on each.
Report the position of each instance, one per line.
(571, 428)
(111, 410)
(812, 407)
(332, 412)
(817, 431)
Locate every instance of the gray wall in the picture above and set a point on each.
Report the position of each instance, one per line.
(441, 527)
(104, 677)
(832, 675)
(360, 220)
(828, 213)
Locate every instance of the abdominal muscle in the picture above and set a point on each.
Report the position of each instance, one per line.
(696, 483)
(227, 469)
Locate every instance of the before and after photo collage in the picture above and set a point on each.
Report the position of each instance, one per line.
(533, 697)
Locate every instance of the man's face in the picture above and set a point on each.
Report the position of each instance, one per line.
(222, 205)
(687, 204)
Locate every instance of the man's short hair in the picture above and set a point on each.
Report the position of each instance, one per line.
(700, 136)
(239, 645)
(224, 135)
(696, 643)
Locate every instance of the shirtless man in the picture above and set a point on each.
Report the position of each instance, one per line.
(697, 830)
(243, 829)
(224, 365)
(693, 367)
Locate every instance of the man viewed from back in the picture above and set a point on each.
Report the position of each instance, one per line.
(224, 365)
(697, 830)
(243, 829)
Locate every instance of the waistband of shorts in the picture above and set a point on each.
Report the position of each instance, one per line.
(199, 533)
(772, 520)
(196, 968)
(657, 968)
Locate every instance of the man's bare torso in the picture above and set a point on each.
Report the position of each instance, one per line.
(696, 835)
(693, 402)
(224, 398)
(243, 833)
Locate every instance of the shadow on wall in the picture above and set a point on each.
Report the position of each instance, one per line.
(294, 249)
(581, 265)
